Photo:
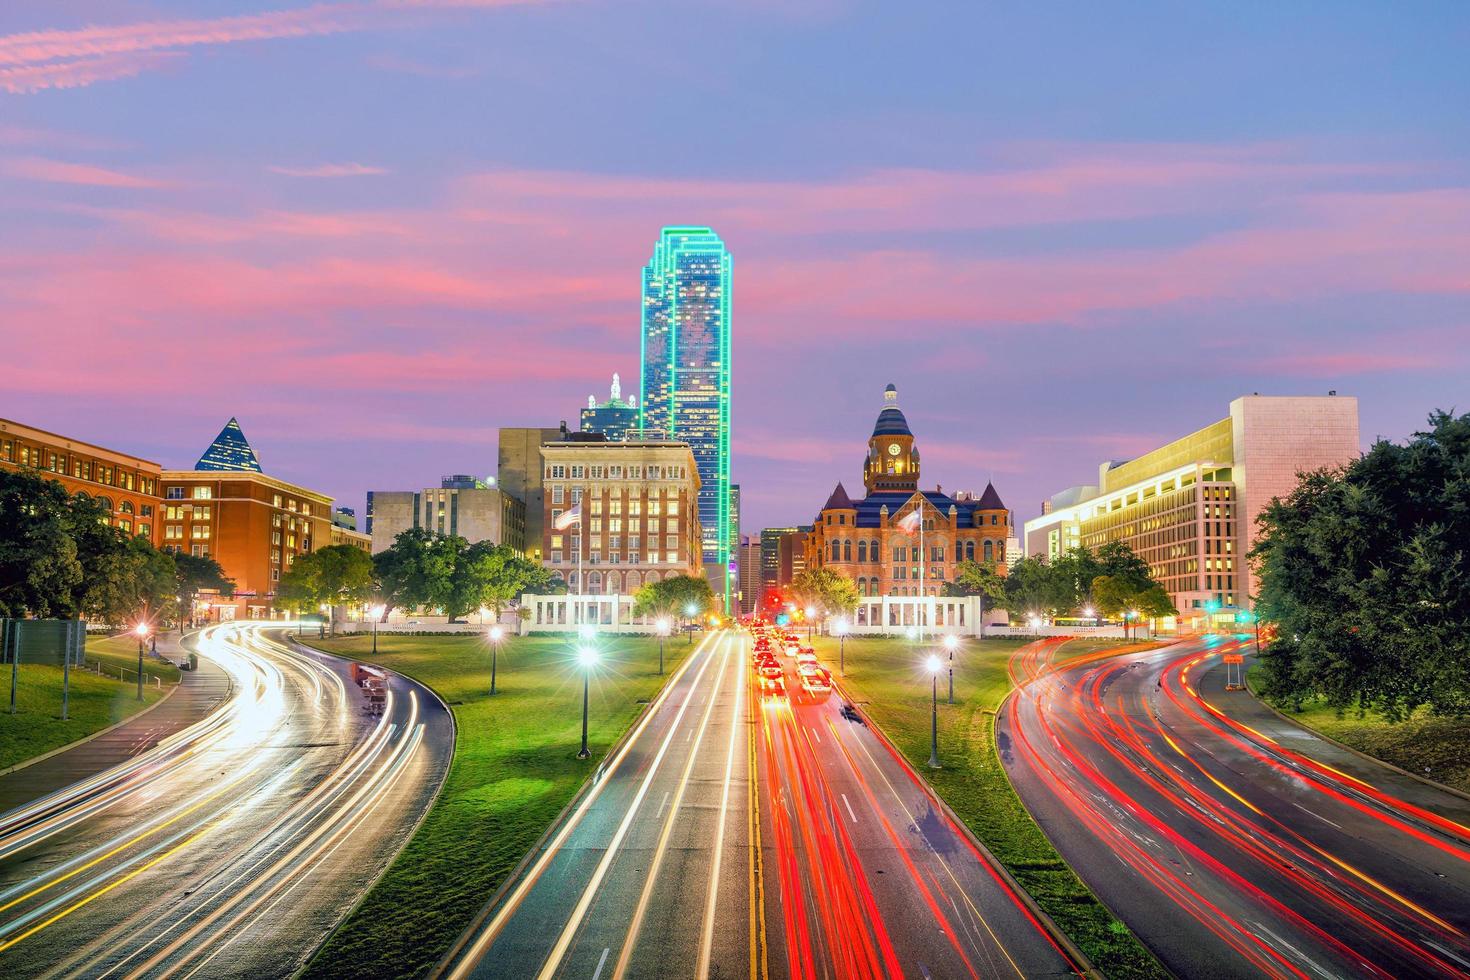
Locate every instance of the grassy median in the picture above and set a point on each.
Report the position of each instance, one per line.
(94, 703)
(886, 675)
(513, 771)
(1436, 748)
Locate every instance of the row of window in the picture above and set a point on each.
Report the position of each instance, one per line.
(559, 495)
(868, 551)
(632, 471)
(79, 468)
(617, 558)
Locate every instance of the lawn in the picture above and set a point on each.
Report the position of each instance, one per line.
(121, 651)
(886, 676)
(36, 728)
(1438, 748)
(514, 769)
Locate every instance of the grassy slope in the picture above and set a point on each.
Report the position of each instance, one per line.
(1438, 748)
(122, 651)
(37, 728)
(514, 769)
(885, 673)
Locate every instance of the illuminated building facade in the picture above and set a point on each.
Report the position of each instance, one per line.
(771, 558)
(685, 385)
(636, 508)
(126, 486)
(518, 473)
(875, 540)
(614, 418)
(469, 510)
(1188, 508)
(230, 451)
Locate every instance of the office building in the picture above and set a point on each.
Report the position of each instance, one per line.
(125, 486)
(628, 513)
(897, 539)
(771, 557)
(518, 473)
(685, 384)
(1189, 508)
(345, 517)
(614, 418)
(749, 565)
(230, 452)
(468, 509)
(791, 555)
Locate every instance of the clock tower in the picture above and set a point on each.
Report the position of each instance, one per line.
(892, 464)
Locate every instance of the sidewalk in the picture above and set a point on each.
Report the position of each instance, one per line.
(199, 693)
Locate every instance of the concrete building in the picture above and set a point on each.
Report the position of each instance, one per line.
(771, 557)
(898, 540)
(1188, 508)
(475, 513)
(614, 418)
(791, 555)
(518, 473)
(628, 512)
(749, 563)
(126, 486)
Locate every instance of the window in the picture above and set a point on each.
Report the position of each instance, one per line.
(556, 557)
(989, 551)
(201, 493)
(146, 510)
(199, 532)
(671, 542)
(862, 555)
(578, 472)
(654, 508)
(673, 507)
(173, 532)
(614, 525)
(596, 505)
(174, 493)
(124, 524)
(632, 558)
(596, 472)
(202, 550)
(556, 540)
(847, 551)
(836, 551)
(145, 530)
(275, 537)
(558, 472)
(201, 513)
(596, 527)
(969, 551)
(558, 494)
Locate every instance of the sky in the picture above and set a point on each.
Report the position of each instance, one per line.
(377, 230)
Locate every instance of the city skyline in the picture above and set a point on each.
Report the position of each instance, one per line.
(1002, 237)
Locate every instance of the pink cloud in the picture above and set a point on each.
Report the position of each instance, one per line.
(329, 170)
(61, 172)
(27, 78)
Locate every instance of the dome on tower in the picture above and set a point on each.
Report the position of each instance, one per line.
(890, 420)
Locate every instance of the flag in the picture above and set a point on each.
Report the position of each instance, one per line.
(568, 518)
(909, 523)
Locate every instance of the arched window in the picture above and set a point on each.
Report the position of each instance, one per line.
(969, 551)
(594, 582)
(614, 581)
(1000, 550)
(847, 549)
(126, 507)
(105, 503)
(989, 551)
(862, 551)
(836, 550)
(635, 582)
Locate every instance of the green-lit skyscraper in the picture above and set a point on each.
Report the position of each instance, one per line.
(685, 390)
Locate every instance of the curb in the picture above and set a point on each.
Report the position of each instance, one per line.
(433, 801)
(1357, 752)
(1053, 930)
(454, 952)
(87, 738)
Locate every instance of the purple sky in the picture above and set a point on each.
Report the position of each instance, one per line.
(376, 231)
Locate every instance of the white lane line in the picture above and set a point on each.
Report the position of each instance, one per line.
(707, 935)
(600, 961)
(817, 734)
(662, 804)
(849, 808)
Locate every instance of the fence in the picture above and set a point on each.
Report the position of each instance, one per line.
(42, 641)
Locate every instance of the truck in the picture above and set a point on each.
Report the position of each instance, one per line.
(374, 684)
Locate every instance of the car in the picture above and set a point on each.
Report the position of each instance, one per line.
(851, 713)
(806, 655)
(818, 681)
(771, 670)
(773, 686)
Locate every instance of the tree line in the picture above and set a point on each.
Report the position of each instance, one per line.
(61, 558)
(1365, 579)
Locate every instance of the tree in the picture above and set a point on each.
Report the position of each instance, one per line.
(1033, 586)
(824, 589)
(674, 596)
(981, 579)
(131, 581)
(416, 570)
(1365, 571)
(194, 574)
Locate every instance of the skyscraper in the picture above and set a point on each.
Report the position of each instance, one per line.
(614, 417)
(685, 389)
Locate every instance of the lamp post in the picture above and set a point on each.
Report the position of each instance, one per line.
(950, 643)
(587, 657)
(690, 611)
(840, 627)
(376, 612)
(1132, 620)
(810, 617)
(663, 631)
(1091, 614)
(496, 634)
(142, 632)
(934, 712)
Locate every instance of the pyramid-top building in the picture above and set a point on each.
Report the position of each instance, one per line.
(230, 451)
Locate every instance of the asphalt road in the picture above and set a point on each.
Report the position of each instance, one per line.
(734, 836)
(231, 847)
(1233, 843)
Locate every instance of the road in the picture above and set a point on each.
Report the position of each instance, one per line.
(1234, 843)
(732, 835)
(232, 847)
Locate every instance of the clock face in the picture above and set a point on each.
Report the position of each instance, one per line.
(893, 449)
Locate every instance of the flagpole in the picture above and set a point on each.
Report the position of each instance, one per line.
(923, 562)
(581, 580)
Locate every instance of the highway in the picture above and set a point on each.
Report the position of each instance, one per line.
(1234, 843)
(732, 835)
(232, 847)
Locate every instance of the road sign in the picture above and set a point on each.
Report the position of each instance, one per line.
(1234, 658)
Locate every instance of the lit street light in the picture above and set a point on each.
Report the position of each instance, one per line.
(934, 666)
(840, 628)
(810, 617)
(142, 631)
(663, 631)
(950, 643)
(1091, 614)
(587, 657)
(376, 612)
(690, 611)
(496, 634)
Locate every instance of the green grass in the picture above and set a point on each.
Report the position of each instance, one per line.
(1437, 748)
(513, 771)
(36, 728)
(121, 651)
(886, 675)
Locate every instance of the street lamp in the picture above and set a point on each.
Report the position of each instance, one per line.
(690, 611)
(142, 632)
(1132, 617)
(810, 616)
(587, 657)
(934, 712)
(950, 643)
(840, 628)
(663, 630)
(376, 612)
(496, 634)
(1091, 614)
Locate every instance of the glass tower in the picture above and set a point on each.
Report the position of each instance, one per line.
(685, 389)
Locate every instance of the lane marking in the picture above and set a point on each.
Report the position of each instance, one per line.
(664, 803)
(600, 961)
(707, 937)
(849, 807)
